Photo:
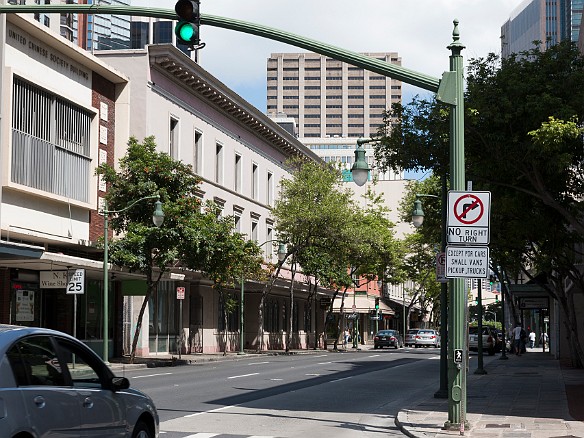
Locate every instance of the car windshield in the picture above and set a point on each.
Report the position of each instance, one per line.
(386, 333)
(426, 332)
(412, 332)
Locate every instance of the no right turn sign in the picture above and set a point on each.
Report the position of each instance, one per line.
(468, 217)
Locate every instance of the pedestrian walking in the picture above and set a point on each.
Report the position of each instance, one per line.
(517, 338)
(544, 339)
(531, 339)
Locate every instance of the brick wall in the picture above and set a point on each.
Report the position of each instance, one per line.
(103, 96)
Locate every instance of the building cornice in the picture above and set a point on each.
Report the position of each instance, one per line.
(169, 60)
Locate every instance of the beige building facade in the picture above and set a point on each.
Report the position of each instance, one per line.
(330, 98)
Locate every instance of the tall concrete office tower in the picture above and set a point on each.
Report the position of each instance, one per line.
(548, 21)
(333, 103)
(89, 31)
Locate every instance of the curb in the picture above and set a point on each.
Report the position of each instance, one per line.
(401, 421)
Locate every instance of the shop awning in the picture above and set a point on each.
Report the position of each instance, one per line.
(363, 304)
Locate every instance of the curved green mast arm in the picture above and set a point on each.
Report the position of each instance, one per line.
(375, 65)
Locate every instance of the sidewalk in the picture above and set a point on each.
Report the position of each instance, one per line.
(169, 360)
(530, 396)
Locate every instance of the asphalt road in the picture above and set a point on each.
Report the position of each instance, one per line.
(352, 394)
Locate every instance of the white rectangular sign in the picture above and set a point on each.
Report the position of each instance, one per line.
(53, 279)
(76, 282)
(467, 262)
(468, 218)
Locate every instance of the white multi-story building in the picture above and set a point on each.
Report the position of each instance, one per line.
(66, 111)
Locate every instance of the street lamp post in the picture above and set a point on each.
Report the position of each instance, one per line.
(417, 220)
(281, 258)
(157, 219)
(480, 368)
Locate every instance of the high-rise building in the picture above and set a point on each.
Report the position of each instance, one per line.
(148, 30)
(332, 102)
(89, 31)
(548, 21)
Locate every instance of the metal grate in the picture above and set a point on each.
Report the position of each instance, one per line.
(50, 142)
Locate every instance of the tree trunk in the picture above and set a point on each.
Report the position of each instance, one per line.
(139, 325)
(267, 289)
(291, 316)
(341, 315)
(225, 322)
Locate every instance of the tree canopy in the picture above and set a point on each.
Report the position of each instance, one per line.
(523, 142)
(192, 236)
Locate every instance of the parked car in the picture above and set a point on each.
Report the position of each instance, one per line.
(491, 341)
(427, 338)
(410, 340)
(388, 338)
(51, 384)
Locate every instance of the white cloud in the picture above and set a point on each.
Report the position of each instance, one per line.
(419, 31)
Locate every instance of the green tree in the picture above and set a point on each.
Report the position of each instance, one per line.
(523, 143)
(190, 236)
(312, 214)
(329, 236)
(223, 256)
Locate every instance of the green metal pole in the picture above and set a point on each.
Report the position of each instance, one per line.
(105, 286)
(458, 298)
(503, 325)
(480, 365)
(443, 390)
(241, 315)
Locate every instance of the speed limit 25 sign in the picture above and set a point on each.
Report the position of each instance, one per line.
(76, 282)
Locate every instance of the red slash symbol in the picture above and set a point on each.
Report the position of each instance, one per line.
(475, 202)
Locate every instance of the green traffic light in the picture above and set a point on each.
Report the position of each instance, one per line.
(186, 31)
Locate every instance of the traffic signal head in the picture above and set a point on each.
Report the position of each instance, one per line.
(496, 298)
(377, 303)
(189, 21)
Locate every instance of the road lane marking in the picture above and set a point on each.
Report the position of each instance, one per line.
(342, 378)
(375, 355)
(434, 357)
(202, 435)
(323, 363)
(257, 363)
(151, 375)
(277, 380)
(243, 375)
(322, 355)
(312, 375)
(210, 412)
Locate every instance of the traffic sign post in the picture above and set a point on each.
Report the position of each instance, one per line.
(468, 218)
(180, 296)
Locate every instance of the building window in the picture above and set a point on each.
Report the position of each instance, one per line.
(269, 244)
(270, 189)
(254, 181)
(237, 223)
(173, 139)
(237, 176)
(254, 231)
(162, 32)
(198, 152)
(218, 163)
(50, 142)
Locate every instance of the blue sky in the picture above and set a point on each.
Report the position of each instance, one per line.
(418, 30)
